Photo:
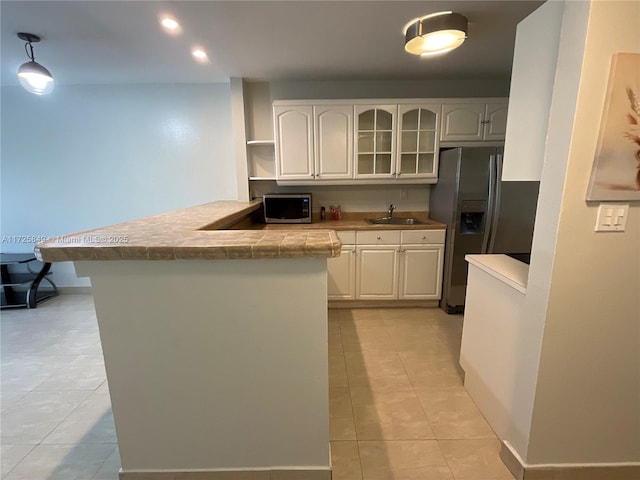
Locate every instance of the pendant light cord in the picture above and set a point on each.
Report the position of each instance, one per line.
(29, 53)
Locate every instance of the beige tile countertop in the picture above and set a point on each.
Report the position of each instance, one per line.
(191, 233)
(356, 221)
(214, 231)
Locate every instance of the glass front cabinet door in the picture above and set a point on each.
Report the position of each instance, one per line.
(375, 137)
(417, 141)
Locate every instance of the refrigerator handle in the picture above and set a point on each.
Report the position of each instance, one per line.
(495, 214)
(488, 223)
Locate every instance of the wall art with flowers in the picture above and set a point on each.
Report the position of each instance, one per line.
(616, 168)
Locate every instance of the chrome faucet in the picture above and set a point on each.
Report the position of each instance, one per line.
(392, 207)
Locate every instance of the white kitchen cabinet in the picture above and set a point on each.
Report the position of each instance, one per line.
(294, 142)
(420, 272)
(375, 141)
(377, 272)
(341, 271)
(495, 126)
(399, 264)
(473, 121)
(418, 141)
(333, 140)
(341, 275)
(314, 143)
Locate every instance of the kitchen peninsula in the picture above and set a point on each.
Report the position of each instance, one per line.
(215, 368)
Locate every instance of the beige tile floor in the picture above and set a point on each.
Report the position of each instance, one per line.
(398, 409)
(397, 406)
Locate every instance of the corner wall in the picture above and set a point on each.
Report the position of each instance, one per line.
(577, 397)
(587, 401)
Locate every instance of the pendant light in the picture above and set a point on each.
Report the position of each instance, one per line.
(435, 34)
(32, 76)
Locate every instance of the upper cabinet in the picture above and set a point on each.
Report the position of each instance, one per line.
(495, 121)
(294, 142)
(359, 142)
(474, 121)
(333, 140)
(418, 141)
(314, 143)
(375, 140)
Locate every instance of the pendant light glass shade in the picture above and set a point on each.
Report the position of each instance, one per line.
(435, 34)
(34, 78)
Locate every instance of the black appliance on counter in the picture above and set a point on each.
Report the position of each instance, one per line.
(287, 207)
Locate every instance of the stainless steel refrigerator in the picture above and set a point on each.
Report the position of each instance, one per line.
(483, 214)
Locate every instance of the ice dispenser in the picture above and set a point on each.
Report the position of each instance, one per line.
(472, 217)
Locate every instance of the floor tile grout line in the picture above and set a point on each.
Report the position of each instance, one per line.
(18, 462)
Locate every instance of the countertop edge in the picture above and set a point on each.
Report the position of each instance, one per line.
(195, 233)
(504, 268)
(206, 232)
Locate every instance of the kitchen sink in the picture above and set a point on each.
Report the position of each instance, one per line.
(394, 221)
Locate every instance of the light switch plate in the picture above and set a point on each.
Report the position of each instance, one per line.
(612, 217)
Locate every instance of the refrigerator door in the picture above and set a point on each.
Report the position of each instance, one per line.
(495, 195)
(512, 230)
(461, 200)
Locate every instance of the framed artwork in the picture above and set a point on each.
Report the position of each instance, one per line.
(616, 167)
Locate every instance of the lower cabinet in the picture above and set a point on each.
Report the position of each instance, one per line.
(377, 272)
(420, 272)
(341, 275)
(380, 266)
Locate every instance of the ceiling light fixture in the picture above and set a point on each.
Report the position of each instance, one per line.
(435, 34)
(200, 55)
(33, 76)
(170, 25)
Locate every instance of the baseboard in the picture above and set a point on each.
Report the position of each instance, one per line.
(382, 303)
(570, 471)
(76, 290)
(237, 474)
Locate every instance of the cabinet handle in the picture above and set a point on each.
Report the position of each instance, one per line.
(311, 175)
(424, 237)
(485, 121)
(402, 250)
(317, 175)
(378, 237)
(354, 251)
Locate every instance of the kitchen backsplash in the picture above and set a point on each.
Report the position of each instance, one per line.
(355, 198)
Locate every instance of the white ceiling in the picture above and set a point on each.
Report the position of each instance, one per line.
(105, 42)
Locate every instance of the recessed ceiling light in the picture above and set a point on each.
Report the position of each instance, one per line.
(199, 54)
(170, 25)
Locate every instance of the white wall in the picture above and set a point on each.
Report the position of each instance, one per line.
(294, 90)
(587, 403)
(211, 367)
(578, 384)
(532, 78)
(89, 156)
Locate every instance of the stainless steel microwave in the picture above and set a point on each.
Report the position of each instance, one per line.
(287, 207)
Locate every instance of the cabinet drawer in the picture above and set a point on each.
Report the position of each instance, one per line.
(347, 237)
(378, 237)
(422, 236)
